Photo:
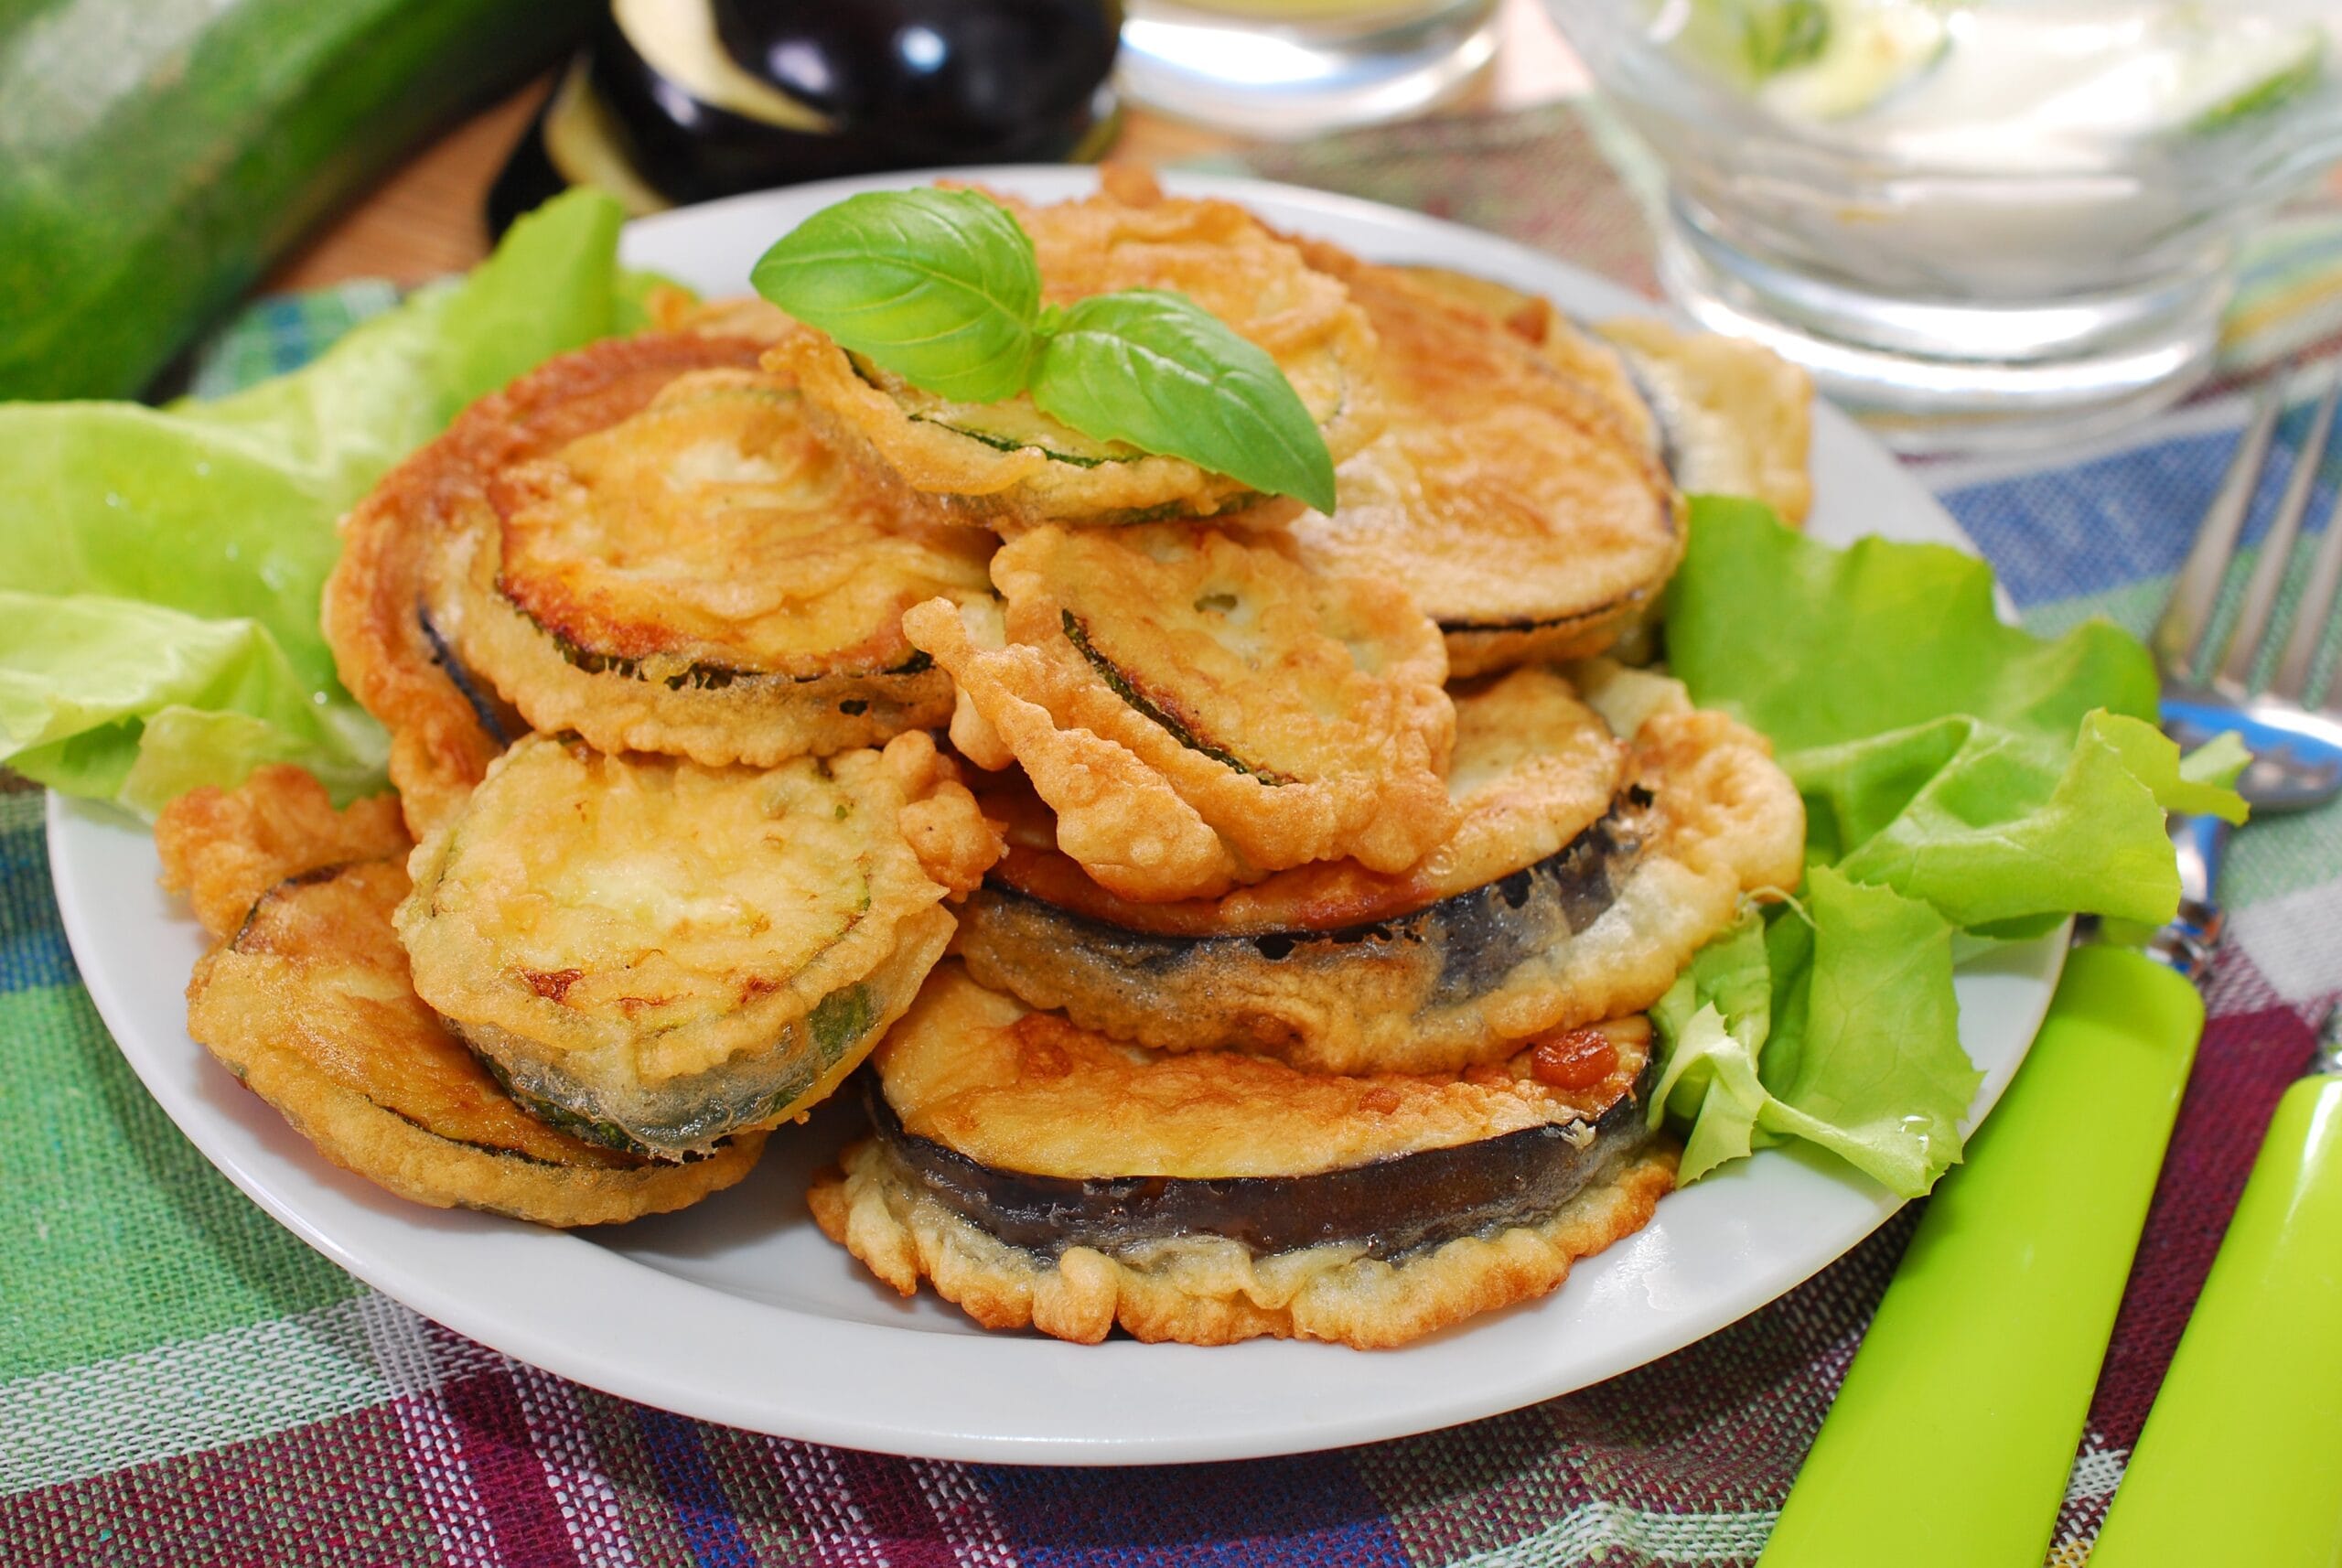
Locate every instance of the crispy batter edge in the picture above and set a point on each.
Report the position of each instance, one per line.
(760, 720)
(404, 1157)
(1729, 822)
(1212, 1293)
(373, 602)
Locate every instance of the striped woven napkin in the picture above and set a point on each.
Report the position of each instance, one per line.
(183, 1383)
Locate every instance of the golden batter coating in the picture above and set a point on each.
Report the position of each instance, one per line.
(1510, 500)
(1738, 417)
(1728, 417)
(392, 635)
(1043, 1177)
(1211, 1292)
(1199, 709)
(1533, 318)
(707, 579)
(1007, 465)
(305, 998)
(224, 848)
(664, 953)
(747, 316)
(1533, 768)
(1619, 878)
(993, 1079)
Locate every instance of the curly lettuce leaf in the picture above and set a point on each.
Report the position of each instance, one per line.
(1962, 779)
(1835, 1023)
(1817, 646)
(135, 703)
(164, 565)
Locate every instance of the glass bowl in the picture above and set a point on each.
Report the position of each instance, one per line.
(1953, 265)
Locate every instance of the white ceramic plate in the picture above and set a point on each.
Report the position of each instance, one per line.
(738, 1311)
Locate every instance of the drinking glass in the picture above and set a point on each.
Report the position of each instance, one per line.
(1291, 68)
(1985, 241)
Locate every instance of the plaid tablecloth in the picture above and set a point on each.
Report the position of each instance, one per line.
(182, 1384)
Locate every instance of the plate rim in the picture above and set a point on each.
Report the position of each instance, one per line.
(809, 1404)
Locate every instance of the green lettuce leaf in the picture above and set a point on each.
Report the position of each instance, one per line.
(164, 564)
(1962, 778)
(1833, 1020)
(1816, 646)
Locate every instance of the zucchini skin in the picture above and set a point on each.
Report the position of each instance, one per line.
(128, 233)
(1391, 1208)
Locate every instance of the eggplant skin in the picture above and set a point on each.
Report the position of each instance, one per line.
(1211, 1290)
(1391, 1208)
(1598, 929)
(1042, 1175)
(1320, 999)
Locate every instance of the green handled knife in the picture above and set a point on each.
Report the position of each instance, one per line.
(1952, 1439)
(2241, 1458)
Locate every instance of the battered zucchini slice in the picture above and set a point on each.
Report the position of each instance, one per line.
(706, 579)
(305, 997)
(1583, 875)
(1727, 417)
(654, 955)
(1738, 418)
(387, 614)
(1516, 504)
(1008, 465)
(1042, 1176)
(1199, 708)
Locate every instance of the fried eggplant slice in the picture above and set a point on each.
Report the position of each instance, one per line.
(305, 998)
(393, 636)
(1007, 465)
(1512, 501)
(655, 955)
(706, 579)
(1041, 1176)
(1197, 708)
(1583, 875)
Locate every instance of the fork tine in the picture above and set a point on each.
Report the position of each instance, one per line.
(2312, 613)
(2179, 635)
(2277, 546)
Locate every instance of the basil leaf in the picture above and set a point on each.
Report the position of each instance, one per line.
(938, 286)
(1161, 372)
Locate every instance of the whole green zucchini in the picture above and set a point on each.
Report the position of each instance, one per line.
(156, 156)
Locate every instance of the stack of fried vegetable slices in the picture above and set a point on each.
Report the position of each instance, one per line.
(1305, 875)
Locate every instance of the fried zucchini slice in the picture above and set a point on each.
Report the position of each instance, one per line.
(1199, 709)
(1533, 318)
(1042, 1176)
(1008, 465)
(392, 635)
(1727, 417)
(655, 955)
(305, 998)
(1738, 418)
(705, 578)
(1581, 877)
(1512, 501)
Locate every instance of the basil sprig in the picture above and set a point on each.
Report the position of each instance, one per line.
(942, 288)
